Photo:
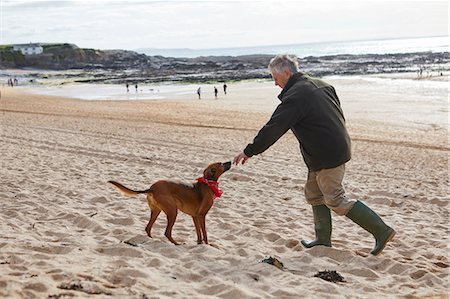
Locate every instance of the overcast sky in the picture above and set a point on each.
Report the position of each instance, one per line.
(115, 24)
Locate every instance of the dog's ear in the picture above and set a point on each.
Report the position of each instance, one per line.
(213, 171)
(210, 173)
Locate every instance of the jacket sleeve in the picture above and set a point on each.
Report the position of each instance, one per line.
(282, 119)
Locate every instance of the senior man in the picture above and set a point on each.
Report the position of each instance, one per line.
(311, 109)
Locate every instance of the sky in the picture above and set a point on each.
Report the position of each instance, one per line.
(135, 24)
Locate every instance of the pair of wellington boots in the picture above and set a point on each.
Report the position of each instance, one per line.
(361, 215)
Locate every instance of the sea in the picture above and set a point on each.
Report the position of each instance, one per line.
(381, 46)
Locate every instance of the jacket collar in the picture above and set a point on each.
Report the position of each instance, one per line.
(294, 78)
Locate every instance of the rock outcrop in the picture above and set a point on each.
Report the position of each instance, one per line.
(119, 66)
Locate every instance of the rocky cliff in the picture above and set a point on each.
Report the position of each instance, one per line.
(69, 56)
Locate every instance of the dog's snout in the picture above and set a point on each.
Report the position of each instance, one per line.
(226, 165)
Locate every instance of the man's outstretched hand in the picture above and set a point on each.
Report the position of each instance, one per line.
(240, 157)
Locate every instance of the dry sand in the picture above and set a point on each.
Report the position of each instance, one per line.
(65, 232)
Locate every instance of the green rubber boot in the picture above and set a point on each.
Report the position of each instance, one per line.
(322, 225)
(371, 222)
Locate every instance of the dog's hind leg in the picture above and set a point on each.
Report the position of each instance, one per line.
(198, 229)
(153, 215)
(171, 217)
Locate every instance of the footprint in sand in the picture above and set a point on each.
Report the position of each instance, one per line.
(121, 221)
(240, 178)
(441, 264)
(37, 287)
(119, 251)
(87, 223)
(272, 237)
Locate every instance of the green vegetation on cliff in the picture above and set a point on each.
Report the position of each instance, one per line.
(61, 56)
(10, 58)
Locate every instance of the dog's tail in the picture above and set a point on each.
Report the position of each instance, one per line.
(126, 190)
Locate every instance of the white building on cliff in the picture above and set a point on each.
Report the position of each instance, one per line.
(29, 49)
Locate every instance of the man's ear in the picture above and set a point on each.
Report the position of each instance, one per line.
(288, 73)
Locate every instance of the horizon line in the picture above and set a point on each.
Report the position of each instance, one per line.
(294, 44)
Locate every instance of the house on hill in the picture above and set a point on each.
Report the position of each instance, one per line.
(29, 49)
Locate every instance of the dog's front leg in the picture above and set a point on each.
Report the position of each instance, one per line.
(203, 227)
(198, 229)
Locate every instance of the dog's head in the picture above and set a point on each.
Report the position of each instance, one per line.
(215, 170)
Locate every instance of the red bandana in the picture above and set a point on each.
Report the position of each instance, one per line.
(213, 185)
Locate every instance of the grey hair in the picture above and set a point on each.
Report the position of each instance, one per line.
(283, 62)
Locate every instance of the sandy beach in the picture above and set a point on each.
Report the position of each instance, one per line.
(66, 233)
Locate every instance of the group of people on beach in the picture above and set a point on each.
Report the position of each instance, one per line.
(216, 91)
(13, 82)
(421, 71)
(128, 87)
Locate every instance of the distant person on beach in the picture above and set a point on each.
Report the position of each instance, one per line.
(215, 92)
(225, 88)
(136, 87)
(199, 93)
(128, 89)
(311, 109)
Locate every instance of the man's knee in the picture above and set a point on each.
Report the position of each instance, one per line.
(340, 205)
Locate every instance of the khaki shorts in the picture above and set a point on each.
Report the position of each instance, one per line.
(325, 187)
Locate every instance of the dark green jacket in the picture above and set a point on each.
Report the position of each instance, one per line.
(311, 109)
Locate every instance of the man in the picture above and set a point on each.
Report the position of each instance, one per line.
(311, 109)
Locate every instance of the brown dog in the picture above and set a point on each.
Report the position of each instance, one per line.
(194, 200)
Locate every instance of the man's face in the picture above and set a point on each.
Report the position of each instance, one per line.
(281, 78)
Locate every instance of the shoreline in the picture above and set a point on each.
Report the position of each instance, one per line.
(431, 93)
(425, 110)
(167, 89)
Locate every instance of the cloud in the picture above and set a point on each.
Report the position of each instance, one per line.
(134, 24)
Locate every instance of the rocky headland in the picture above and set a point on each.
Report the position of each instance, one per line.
(121, 66)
